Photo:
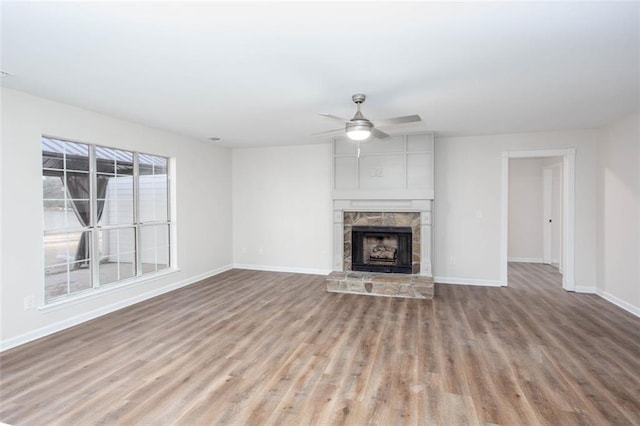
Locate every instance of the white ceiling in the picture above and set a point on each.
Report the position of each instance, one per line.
(257, 74)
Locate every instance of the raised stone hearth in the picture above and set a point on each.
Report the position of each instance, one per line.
(390, 285)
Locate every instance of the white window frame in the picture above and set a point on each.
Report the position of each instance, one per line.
(94, 228)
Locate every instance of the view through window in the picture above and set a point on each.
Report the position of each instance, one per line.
(106, 216)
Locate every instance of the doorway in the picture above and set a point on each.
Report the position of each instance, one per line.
(552, 213)
(567, 159)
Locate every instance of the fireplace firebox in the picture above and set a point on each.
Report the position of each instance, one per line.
(381, 249)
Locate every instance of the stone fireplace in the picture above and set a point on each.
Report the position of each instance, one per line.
(411, 229)
(386, 242)
(382, 203)
(389, 215)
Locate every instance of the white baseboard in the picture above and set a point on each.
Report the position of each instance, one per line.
(87, 316)
(467, 281)
(635, 310)
(525, 259)
(584, 289)
(270, 268)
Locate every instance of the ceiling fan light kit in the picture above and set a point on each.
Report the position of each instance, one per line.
(360, 129)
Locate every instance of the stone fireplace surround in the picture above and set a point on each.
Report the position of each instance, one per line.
(407, 213)
(413, 213)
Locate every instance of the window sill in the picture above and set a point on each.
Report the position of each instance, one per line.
(108, 288)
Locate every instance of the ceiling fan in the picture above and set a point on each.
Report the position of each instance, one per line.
(360, 128)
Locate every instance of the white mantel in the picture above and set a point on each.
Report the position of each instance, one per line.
(391, 175)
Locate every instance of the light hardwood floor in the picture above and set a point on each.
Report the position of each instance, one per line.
(257, 348)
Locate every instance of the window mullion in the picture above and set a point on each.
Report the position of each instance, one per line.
(93, 225)
(136, 214)
(169, 218)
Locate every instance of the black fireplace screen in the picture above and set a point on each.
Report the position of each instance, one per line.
(381, 249)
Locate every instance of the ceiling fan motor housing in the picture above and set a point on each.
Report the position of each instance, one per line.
(362, 124)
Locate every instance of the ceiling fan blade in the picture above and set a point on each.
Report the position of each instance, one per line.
(328, 131)
(334, 117)
(399, 120)
(379, 133)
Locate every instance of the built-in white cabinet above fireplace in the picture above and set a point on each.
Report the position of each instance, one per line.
(399, 167)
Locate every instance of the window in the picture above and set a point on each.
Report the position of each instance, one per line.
(106, 216)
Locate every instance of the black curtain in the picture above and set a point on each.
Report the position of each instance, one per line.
(77, 185)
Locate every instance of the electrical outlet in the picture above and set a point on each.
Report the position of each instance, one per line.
(452, 260)
(29, 302)
(260, 252)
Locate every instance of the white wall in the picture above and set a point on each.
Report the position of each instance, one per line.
(619, 213)
(203, 190)
(467, 202)
(270, 208)
(282, 217)
(525, 210)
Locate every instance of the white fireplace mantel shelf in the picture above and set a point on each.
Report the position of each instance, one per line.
(383, 194)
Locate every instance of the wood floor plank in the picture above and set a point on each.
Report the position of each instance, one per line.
(251, 347)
